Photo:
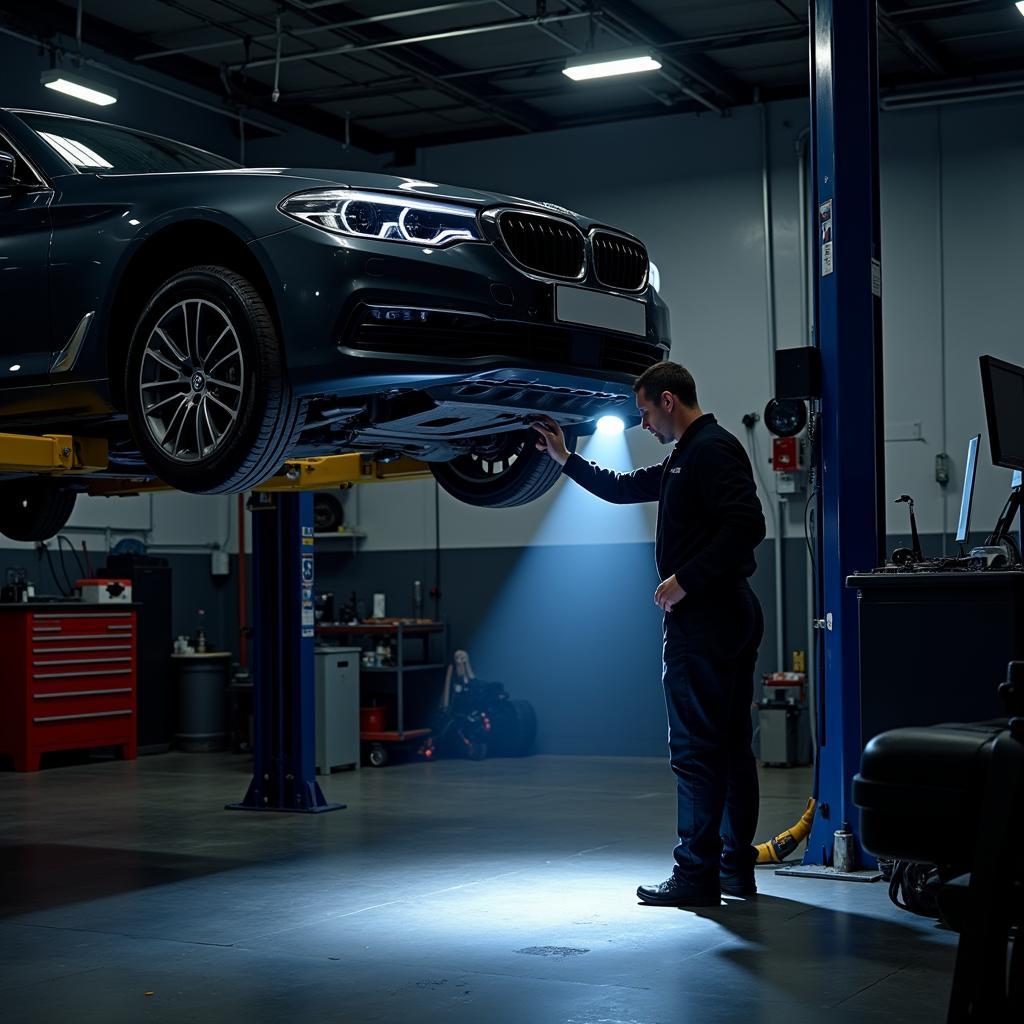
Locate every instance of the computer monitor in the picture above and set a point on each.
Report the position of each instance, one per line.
(963, 528)
(1018, 485)
(1003, 387)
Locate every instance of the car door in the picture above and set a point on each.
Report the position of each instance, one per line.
(25, 228)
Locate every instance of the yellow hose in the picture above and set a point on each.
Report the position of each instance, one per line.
(778, 849)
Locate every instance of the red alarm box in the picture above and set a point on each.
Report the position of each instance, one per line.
(787, 454)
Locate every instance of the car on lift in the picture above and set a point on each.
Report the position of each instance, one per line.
(209, 320)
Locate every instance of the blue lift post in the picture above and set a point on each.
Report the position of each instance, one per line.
(848, 318)
(284, 767)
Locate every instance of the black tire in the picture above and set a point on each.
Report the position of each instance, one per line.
(511, 472)
(36, 509)
(476, 750)
(167, 375)
(328, 513)
(504, 729)
(378, 756)
(526, 728)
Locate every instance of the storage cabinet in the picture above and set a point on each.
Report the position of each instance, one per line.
(337, 708)
(414, 685)
(68, 681)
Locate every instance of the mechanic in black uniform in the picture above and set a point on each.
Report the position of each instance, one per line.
(709, 522)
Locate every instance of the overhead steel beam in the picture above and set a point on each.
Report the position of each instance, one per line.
(643, 28)
(428, 67)
(482, 133)
(430, 37)
(47, 20)
(948, 9)
(387, 86)
(735, 40)
(913, 43)
(264, 37)
(660, 97)
(222, 111)
(348, 129)
(965, 91)
(237, 7)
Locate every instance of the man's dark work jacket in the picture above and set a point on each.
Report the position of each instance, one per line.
(709, 515)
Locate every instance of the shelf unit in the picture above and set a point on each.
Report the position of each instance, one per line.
(352, 534)
(402, 633)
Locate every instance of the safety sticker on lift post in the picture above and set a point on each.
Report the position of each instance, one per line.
(308, 619)
(825, 211)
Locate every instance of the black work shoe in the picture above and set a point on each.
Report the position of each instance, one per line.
(736, 884)
(673, 893)
(736, 873)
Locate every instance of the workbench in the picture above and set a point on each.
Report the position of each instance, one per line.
(934, 646)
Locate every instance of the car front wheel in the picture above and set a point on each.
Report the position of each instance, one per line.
(510, 471)
(206, 388)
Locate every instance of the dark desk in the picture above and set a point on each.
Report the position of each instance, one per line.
(934, 646)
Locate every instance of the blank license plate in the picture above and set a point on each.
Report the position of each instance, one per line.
(598, 309)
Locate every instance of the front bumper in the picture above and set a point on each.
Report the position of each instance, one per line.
(487, 320)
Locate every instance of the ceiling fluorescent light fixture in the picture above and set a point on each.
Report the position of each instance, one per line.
(1020, 6)
(72, 84)
(586, 66)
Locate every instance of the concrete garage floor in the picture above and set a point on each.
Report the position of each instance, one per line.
(457, 892)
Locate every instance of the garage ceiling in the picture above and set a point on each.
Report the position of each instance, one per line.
(403, 75)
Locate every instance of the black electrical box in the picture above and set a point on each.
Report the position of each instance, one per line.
(151, 589)
(798, 372)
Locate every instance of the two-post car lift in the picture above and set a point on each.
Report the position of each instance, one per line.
(284, 776)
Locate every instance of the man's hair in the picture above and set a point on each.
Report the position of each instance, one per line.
(667, 376)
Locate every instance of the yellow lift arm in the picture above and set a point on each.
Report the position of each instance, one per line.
(52, 454)
(62, 454)
(339, 470)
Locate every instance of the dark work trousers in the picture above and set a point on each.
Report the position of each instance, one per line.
(710, 654)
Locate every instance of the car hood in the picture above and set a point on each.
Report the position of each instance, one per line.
(317, 176)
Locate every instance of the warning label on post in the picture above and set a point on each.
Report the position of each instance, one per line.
(825, 219)
(308, 607)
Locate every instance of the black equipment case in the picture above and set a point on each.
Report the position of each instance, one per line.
(953, 796)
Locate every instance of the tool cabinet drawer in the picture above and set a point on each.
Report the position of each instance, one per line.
(69, 681)
(53, 628)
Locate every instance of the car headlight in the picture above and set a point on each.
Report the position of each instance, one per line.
(654, 275)
(380, 215)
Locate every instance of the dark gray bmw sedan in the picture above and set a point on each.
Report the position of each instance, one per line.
(211, 320)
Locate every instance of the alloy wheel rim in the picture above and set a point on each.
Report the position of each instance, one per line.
(191, 380)
(489, 464)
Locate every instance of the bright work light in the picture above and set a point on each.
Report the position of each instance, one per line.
(610, 425)
(607, 65)
(79, 87)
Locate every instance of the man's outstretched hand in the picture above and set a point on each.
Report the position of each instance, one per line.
(551, 440)
(669, 594)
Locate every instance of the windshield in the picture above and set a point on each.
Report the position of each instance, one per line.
(96, 148)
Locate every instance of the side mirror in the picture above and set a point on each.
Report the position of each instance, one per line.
(7, 176)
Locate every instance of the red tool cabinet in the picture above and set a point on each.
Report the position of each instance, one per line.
(67, 680)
